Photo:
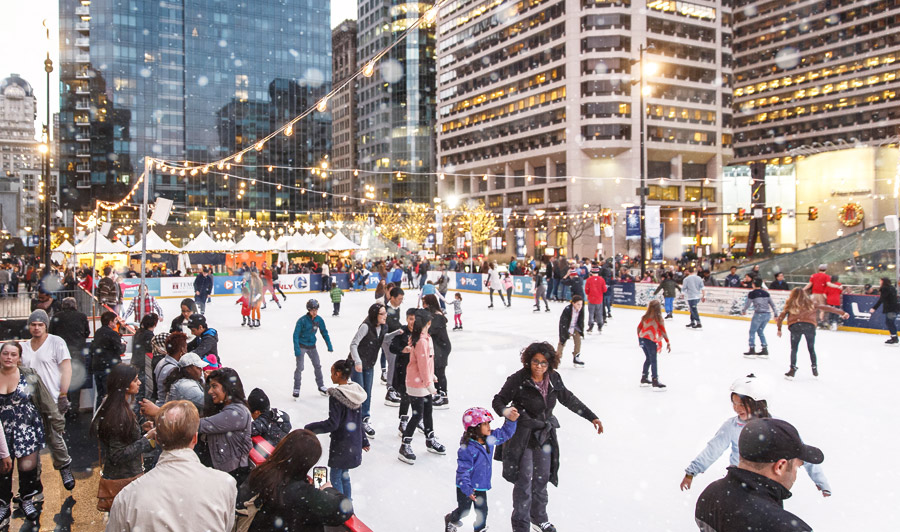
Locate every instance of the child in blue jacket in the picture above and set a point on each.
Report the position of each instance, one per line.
(473, 470)
(305, 345)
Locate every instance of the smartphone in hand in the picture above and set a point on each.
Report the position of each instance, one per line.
(320, 476)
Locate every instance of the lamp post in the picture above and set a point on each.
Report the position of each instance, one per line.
(45, 256)
(640, 81)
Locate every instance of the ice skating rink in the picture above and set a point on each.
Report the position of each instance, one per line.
(626, 479)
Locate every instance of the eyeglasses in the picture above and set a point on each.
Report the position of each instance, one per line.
(541, 363)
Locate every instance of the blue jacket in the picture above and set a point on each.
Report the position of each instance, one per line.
(727, 437)
(473, 460)
(305, 333)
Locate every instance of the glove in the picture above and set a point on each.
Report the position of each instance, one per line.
(62, 403)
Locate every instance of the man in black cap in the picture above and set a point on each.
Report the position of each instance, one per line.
(749, 498)
(206, 340)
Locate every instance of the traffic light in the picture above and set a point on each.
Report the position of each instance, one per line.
(769, 216)
(813, 213)
(778, 213)
(742, 214)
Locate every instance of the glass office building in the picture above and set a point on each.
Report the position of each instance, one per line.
(194, 80)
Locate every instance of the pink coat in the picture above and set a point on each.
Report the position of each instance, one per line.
(420, 370)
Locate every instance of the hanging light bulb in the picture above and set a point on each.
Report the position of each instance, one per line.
(270, 168)
(431, 15)
(239, 157)
(322, 105)
(289, 130)
(484, 177)
(441, 176)
(369, 69)
(356, 173)
(260, 145)
(205, 170)
(221, 165)
(618, 180)
(194, 171)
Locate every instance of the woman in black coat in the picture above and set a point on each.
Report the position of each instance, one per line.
(533, 391)
(442, 348)
(888, 298)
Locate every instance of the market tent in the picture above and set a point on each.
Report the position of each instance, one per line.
(203, 243)
(251, 242)
(320, 242)
(273, 244)
(86, 246)
(155, 244)
(65, 247)
(339, 242)
(298, 242)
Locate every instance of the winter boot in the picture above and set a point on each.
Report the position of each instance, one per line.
(763, 353)
(645, 382)
(450, 526)
(491, 305)
(669, 316)
(370, 432)
(790, 374)
(67, 477)
(751, 353)
(406, 452)
(244, 322)
(658, 386)
(576, 361)
(892, 340)
(433, 445)
(392, 398)
(404, 421)
(815, 371)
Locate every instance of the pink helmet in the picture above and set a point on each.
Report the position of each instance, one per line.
(476, 416)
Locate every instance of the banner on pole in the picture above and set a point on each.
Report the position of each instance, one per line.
(652, 223)
(507, 211)
(633, 222)
(656, 245)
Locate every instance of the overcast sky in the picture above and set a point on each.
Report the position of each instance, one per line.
(24, 45)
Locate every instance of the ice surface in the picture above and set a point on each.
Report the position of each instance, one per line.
(627, 479)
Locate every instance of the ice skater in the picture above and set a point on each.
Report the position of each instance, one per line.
(668, 286)
(473, 465)
(800, 312)
(343, 425)
(651, 331)
(749, 396)
(457, 312)
(420, 382)
(305, 345)
(571, 325)
(540, 291)
(887, 296)
(762, 302)
(494, 284)
(336, 294)
(508, 286)
(244, 302)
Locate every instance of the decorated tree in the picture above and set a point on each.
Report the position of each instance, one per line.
(478, 220)
(387, 220)
(416, 222)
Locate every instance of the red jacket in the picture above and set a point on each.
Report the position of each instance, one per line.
(595, 287)
(833, 295)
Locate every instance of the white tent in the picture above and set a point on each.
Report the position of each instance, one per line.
(251, 242)
(65, 247)
(339, 242)
(203, 243)
(273, 244)
(155, 244)
(298, 242)
(86, 246)
(320, 242)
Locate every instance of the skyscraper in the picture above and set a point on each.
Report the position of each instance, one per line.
(194, 80)
(397, 103)
(343, 112)
(532, 94)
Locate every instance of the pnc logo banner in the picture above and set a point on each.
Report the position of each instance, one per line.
(469, 281)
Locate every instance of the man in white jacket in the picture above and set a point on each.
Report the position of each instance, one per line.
(180, 493)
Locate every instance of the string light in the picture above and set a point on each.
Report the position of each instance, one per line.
(369, 69)
(322, 106)
(239, 157)
(289, 130)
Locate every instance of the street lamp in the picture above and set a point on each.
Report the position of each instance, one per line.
(645, 70)
(45, 156)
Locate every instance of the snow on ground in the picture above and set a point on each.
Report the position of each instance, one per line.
(626, 479)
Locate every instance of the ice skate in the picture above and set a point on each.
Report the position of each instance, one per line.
(323, 390)
(576, 361)
(815, 371)
(751, 353)
(440, 402)
(404, 422)
(790, 374)
(658, 386)
(392, 398)
(543, 527)
(645, 382)
(892, 340)
(450, 526)
(406, 453)
(370, 432)
(434, 446)
(763, 353)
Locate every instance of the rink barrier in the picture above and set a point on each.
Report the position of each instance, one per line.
(719, 303)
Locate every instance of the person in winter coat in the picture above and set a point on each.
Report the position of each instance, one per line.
(269, 423)
(606, 271)
(668, 286)
(206, 340)
(108, 290)
(179, 323)
(72, 326)
(268, 278)
(343, 424)
(286, 498)
(749, 399)
(575, 283)
(420, 382)
(779, 283)
(533, 391)
(651, 331)
(442, 349)
(494, 283)
(474, 465)
(184, 383)
(150, 305)
(733, 280)
(106, 351)
(336, 294)
(800, 312)
(257, 298)
(364, 349)
(244, 302)
(571, 325)
(227, 424)
(401, 349)
(141, 350)
(203, 287)
(594, 288)
(305, 345)
(887, 296)
(751, 496)
(694, 293)
(833, 297)
(762, 302)
(508, 286)
(540, 291)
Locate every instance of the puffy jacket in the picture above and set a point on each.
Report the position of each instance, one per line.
(344, 424)
(566, 319)
(228, 436)
(745, 501)
(273, 425)
(205, 344)
(576, 283)
(888, 298)
(420, 370)
(106, 349)
(595, 287)
(473, 460)
(108, 291)
(305, 333)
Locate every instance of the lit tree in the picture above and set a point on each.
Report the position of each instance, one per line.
(478, 220)
(387, 220)
(416, 223)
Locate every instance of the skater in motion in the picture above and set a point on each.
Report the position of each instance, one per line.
(457, 312)
(571, 325)
(762, 302)
(244, 302)
(540, 291)
(749, 399)
(495, 284)
(651, 332)
(668, 286)
(800, 312)
(531, 457)
(420, 382)
(305, 345)
(887, 296)
(473, 470)
(694, 293)
(595, 288)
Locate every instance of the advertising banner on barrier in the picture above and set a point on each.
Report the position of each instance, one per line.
(523, 285)
(178, 286)
(622, 293)
(130, 287)
(294, 282)
(230, 284)
(721, 301)
(470, 281)
(859, 308)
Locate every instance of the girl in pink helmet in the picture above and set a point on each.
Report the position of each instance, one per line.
(473, 470)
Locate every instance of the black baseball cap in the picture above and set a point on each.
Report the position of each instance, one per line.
(768, 440)
(196, 320)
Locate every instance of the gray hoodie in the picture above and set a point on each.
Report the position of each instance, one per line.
(761, 301)
(228, 436)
